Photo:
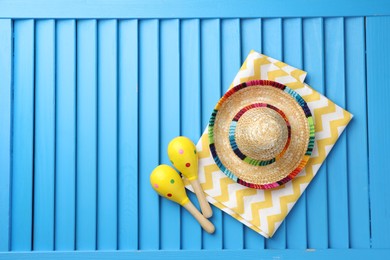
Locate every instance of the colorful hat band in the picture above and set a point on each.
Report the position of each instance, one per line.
(232, 135)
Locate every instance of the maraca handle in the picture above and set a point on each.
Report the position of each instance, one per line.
(204, 204)
(204, 222)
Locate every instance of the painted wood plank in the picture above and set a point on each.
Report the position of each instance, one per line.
(189, 8)
(251, 39)
(316, 192)
(233, 230)
(170, 123)
(23, 136)
(107, 218)
(190, 117)
(210, 94)
(205, 254)
(6, 42)
(128, 135)
(296, 237)
(378, 95)
(44, 144)
(65, 189)
(149, 127)
(273, 47)
(86, 179)
(337, 159)
(357, 144)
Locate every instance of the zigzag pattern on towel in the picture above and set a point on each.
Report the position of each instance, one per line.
(268, 208)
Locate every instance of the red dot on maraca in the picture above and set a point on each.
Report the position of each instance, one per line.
(188, 164)
(169, 195)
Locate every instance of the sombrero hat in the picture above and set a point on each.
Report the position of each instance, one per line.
(261, 134)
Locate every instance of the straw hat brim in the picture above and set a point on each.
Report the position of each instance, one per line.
(301, 134)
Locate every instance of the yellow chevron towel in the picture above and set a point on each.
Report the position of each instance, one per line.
(264, 210)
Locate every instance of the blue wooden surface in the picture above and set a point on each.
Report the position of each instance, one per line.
(322, 254)
(5, 131)
(23, 136)
(86, 144)
(128, 135)
(88, 107)
(190, 8)
(65, 184)
(44, 137)
(378, 109)
(107, 159)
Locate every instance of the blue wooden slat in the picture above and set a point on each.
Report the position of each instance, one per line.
(170, 123)
(189, 8)
(231, 61)
(337, 160)
(5, 131)
(65, 135)
(107, 136)
(359, 222)
(23, 135)
(251, 39)
(44, 145)
(86, 182)
(149, 227)
(210, 93)
(378, 95)
(316, 193)
(293, 55)
(191, 236)
(128, 135)
(205, 254)
(272, 46)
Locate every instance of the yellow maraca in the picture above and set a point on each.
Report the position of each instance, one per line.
(167, 183)
(182, 153)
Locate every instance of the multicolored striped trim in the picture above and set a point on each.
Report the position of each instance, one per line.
(232, 135)
(310, 122)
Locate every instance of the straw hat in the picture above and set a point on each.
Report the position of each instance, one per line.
(261, 134)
